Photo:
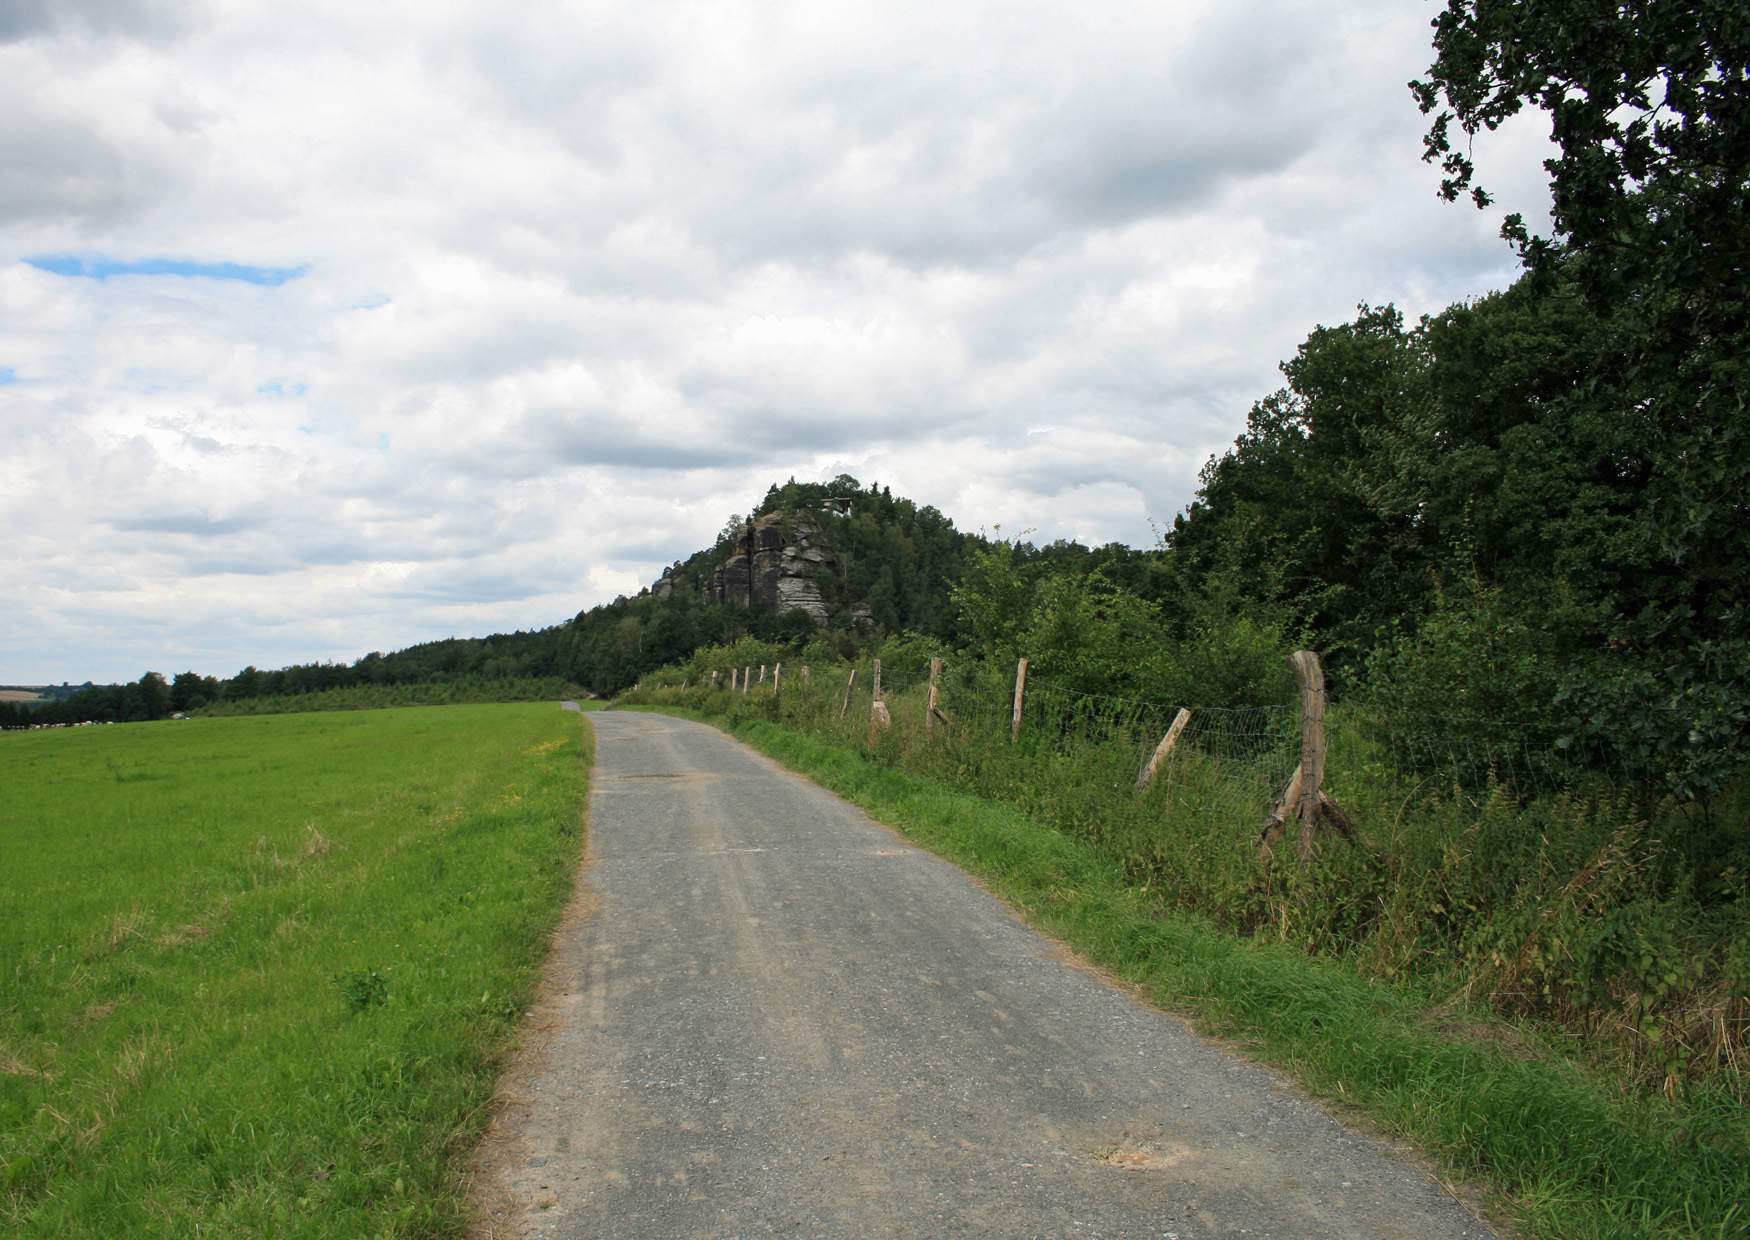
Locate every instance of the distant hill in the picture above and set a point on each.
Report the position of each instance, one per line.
(833, 560)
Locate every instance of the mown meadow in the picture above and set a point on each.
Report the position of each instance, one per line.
(257, 974)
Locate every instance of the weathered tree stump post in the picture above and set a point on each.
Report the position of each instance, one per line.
(879, 718)
(930, 711)
(849, 685)
(1305, 798)
(1020, 696)
(1311, 675)
(1164, 750)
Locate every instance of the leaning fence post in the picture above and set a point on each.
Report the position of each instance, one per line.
(1020, 696)
(849, 685)
(1163, 750)
(930, 710)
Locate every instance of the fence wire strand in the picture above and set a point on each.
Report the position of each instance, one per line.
(1244, 755)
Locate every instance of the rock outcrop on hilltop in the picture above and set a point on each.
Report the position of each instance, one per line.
(776, 566)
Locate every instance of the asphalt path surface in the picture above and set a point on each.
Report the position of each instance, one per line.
(771, 1016)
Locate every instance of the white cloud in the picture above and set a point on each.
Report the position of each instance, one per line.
(584, 279)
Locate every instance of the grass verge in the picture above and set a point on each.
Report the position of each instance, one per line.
(257, 975)
(1566, 1153)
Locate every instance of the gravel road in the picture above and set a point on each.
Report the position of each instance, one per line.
(768, 1015)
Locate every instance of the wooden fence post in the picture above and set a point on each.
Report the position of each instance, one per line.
(849, 684)
(930, 711)
(806, 676)
(877, 680)
(746, 678)
(777, 673)
(1163, 750)
(1020, 696)
(713, 680)
(762, 673)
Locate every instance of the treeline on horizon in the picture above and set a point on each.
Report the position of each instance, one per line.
(507, 660)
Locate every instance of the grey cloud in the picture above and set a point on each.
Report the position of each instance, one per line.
(23, 19)
(61, 167)
(468, 585)
(536, 447)
(230, 567)
(194, 524)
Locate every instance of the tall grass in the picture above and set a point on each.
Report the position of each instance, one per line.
(256, 974)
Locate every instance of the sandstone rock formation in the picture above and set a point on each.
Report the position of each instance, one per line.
(777, 566)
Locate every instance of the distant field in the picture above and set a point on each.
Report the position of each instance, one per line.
(255, 973)
(21, 695)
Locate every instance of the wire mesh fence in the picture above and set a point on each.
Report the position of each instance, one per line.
(1237, 753)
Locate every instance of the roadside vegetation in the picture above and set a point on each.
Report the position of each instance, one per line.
(1573, 1140)
(257, 975)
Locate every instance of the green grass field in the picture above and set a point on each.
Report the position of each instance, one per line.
(257, 974)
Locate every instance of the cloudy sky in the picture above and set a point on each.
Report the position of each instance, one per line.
(333, 327)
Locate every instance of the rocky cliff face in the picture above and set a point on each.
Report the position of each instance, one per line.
(777, 567)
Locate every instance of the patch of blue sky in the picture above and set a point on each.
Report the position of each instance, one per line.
(282, 389)
(99, 267)
(7, 375)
